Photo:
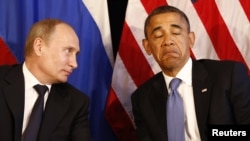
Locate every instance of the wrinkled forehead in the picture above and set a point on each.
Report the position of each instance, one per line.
(64, 28)
(64, 31)
(171, 19)
(65, 36)
(167, 16)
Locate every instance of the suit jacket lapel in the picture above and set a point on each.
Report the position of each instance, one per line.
(58, 103)
(159, 95)
(202, 89)
(14, 93)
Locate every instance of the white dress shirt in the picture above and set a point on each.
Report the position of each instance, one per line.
(30, 95)
(186, 91)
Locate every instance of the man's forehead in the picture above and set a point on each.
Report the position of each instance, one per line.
(172, 18)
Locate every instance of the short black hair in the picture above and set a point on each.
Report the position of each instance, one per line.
(165, 9)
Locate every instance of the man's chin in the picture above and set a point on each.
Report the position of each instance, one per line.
(63, 80)
(171, 63)
(170, 60)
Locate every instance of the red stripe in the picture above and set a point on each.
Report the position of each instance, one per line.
(135, 63)
(223, 43)
(119, 119)
(133, 58)
(6, 57)
(149, 5)
(192, 54)
(245, 5)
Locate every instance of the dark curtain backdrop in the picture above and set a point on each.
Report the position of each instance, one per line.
(117, 10)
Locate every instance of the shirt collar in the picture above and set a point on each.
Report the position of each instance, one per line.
(185, 74)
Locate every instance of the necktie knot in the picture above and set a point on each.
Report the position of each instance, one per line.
(41, 89)
(175, 82)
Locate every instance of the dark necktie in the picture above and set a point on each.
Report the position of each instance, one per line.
(175, 113)
(32, 129)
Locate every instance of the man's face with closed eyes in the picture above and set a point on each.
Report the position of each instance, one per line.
(169, 41)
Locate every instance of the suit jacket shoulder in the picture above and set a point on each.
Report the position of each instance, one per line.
(154, 82)
(67, 88)
(5, 69)
(218, 66)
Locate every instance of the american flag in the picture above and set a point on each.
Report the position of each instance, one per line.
(222, 32)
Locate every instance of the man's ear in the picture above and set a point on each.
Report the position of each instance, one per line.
(146, 46)
(37, 46)
(191, 36)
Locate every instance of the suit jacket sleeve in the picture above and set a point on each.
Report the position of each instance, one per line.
(240, 95)
(80, 126)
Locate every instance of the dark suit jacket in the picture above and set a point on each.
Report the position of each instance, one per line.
(65, 116)
(226, 101)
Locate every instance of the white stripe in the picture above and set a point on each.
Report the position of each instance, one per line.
(99, 11)
(135, 18)
(238, 25)
(203, 47)
(123, 85)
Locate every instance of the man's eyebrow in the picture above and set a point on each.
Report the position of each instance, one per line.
(176, 26)
(172, 25)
